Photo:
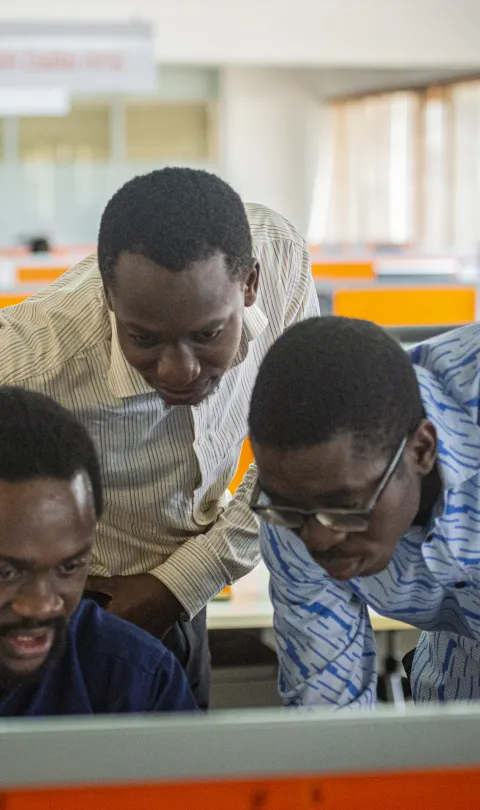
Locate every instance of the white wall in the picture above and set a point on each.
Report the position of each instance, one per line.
(270, 139)
(379, 33)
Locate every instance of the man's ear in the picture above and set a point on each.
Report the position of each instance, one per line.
(251, 284)
(423, 446)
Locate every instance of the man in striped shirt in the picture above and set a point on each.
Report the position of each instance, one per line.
(155, 347)
(369, 485)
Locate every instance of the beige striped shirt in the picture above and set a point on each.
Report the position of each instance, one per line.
(165, 470)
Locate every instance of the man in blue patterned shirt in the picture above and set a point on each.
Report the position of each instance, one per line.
(369, 490)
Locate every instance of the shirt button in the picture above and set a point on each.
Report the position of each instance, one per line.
(459, 585)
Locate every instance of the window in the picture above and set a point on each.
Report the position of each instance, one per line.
(465, 100)
(82, 135)
(435, 226)
(163, 132)
(371, 187)
(405, 168)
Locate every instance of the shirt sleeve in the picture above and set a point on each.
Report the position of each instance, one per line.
(205, 564)
(324, 638)
(302, 298)
(445, 667)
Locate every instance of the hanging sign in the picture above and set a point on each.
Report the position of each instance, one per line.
(78, 57)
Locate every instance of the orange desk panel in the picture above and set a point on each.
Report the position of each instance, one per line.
(246, 458)
(9, 299)
(442, 790)
(363, 270)
(408, 306)
(39, 275)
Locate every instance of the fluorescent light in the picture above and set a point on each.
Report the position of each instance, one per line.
(34, 101)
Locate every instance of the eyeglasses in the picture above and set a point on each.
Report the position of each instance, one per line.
(342, 520)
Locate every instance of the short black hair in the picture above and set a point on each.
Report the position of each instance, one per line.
(175, 217)
(325, 376)
(40, 439)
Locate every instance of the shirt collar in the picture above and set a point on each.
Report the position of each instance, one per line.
(254, 323)
(458, 435)
(124, 381)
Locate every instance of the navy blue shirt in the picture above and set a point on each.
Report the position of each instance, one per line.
(108, 666)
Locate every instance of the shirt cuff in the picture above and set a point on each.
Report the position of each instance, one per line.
(194, 574)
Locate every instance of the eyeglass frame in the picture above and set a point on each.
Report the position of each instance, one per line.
(363, 516)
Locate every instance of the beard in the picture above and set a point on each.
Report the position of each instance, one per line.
(11, 680)
(210, 394)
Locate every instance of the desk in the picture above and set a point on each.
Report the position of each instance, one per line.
(250, 607)
(270, 760)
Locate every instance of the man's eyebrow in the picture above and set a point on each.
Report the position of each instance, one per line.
(17, 562)
(328, 499)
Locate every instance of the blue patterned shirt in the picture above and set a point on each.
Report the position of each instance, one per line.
(325, 641)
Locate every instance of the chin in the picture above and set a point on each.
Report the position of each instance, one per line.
(192, 400)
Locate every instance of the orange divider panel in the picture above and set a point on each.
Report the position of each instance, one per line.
(71, 250)
(442, 790)
(16, 251)
(246, 458)
(9, 299)
(39, 275)
(343, 270)
(411, 306)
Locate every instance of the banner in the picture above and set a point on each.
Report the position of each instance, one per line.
(78, 57)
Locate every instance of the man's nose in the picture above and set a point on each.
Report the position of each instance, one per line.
(38, 601)
(178, 367)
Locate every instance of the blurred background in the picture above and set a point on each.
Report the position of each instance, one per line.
(359, 120)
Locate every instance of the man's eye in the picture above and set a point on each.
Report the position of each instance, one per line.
(209, 334)
(71, 567)
(145, 341)
(8, 574)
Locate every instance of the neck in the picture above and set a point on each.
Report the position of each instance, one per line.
(431, 489)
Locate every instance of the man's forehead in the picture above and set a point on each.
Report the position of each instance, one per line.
(134, 272)
(332, 469)
(47, 500)
(155, 298)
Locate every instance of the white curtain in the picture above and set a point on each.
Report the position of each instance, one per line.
(465, 191)
(435, 230)
(403, 168)
(370, 196)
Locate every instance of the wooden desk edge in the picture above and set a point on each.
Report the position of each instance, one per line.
(264, 621)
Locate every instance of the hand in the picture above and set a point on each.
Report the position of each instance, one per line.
(141, 599)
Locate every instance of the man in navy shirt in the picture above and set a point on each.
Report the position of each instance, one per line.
(369, 486)
(60, 655)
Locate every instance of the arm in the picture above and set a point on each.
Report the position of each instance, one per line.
(204, 565)
(445, 668)
(325, 641)
(193, 575)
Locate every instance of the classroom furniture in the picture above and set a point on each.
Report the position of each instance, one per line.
(261, 760)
